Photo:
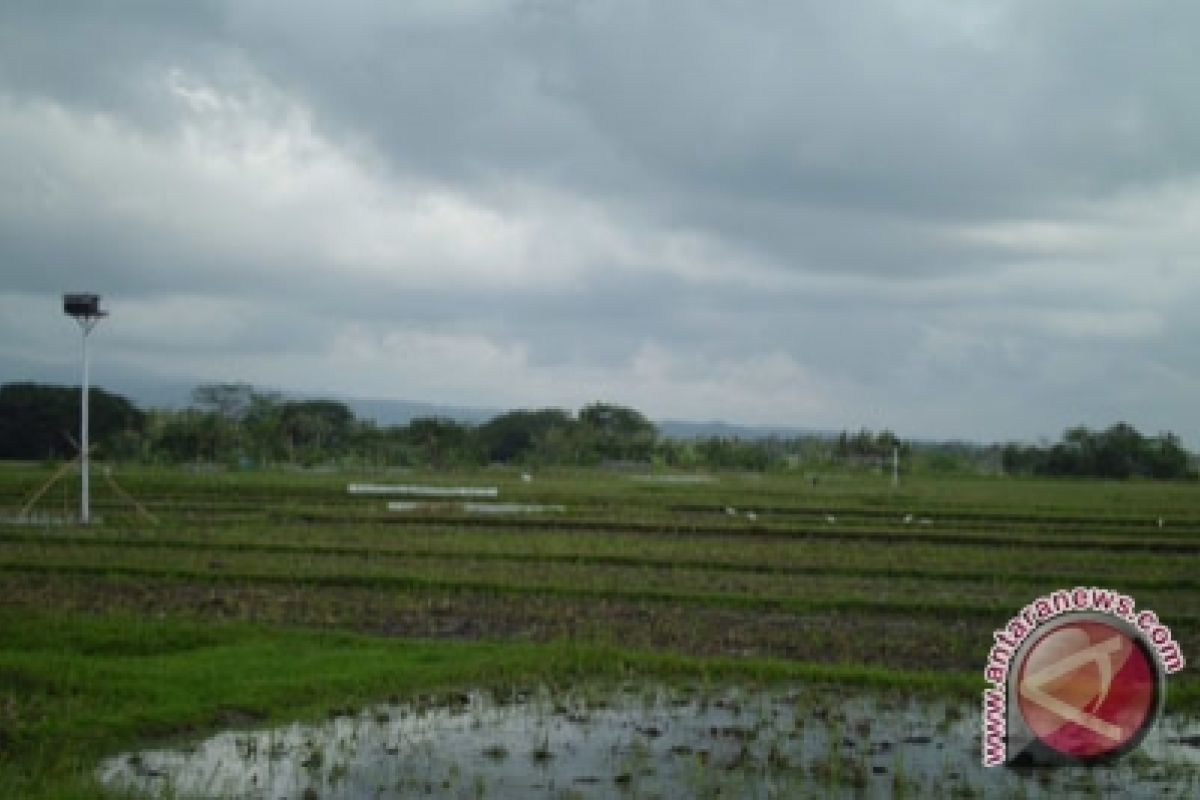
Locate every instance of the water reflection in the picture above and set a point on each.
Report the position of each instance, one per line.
(640, 741)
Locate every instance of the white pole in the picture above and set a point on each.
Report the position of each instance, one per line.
(85, 308)
(84, 505)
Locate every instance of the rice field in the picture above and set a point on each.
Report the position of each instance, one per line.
(836, 576)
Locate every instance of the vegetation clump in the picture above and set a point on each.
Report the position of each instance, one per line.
(1119, 452)
(237, 425)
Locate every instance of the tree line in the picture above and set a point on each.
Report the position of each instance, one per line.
(1119, 452)
(238, 425)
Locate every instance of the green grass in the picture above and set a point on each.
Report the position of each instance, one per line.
(265, 596)
(77, 688)
(462, 554)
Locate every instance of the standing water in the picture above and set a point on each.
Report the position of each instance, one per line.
(642, 741)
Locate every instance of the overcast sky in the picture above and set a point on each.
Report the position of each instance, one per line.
(952, 219)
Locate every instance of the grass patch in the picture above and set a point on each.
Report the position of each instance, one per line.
(256, 598)
(77, 688)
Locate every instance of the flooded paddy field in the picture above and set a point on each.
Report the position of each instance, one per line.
(119, 637)
(640, 740)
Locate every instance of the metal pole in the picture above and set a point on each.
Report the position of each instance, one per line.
(84, 505)
(85, 308)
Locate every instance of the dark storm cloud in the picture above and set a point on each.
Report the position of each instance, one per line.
(883, 217)
(835, 139)
(101, 56)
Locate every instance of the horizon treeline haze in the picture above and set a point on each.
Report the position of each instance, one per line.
(237, 425)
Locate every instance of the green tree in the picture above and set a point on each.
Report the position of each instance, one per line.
(232, 401)
(39, 421)
(440, 442)
(262, 427)
(316, 430)
(1119, 452)
(514, 435)
(186, 435)
(617, 432)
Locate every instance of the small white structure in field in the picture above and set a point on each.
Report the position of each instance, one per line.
(908, 518)
(830, 518)
(475, 508)
(673, 478)
(730, 511)
(423, 491)
(750, 515)
(1161, 522)
(511, 508)
(526, 477)
(406, 505)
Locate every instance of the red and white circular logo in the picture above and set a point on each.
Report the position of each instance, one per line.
(1088, 687)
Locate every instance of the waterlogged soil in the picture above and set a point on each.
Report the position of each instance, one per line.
(888, 640)
(641, 741)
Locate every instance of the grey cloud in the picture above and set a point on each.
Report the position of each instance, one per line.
(803, 186)
(100, 56)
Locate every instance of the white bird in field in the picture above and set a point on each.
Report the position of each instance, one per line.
(731, 511)
(830, 518)
(750, 515)
(908, 518)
